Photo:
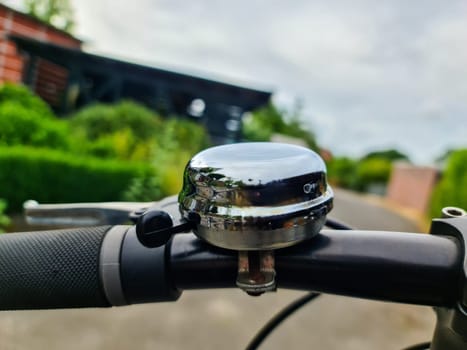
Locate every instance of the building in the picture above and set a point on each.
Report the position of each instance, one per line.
(15, 65)
(53, 64)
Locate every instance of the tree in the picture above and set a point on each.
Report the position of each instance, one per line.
(389, 154)
(261, 124)
(58, 13)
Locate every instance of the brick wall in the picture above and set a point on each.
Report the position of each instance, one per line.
(411, 186)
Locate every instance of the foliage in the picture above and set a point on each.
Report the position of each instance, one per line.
(21, 95)
(145, 188)
(57, 13)
(452, 189)
(4, 220)
(269, 120)
(177, 142)
(26, 119)
(20, 125)
(55, 177)
(390, 154)
(342, 172)
(372, 171)
(129, 131)
(101, 120)
(120, 144)
(124, 131)
(105, 146)
(360, 174)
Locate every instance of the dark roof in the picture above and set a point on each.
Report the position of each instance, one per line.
(74, 58)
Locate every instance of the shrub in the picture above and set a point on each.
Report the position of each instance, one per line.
(120, 144)
(20, 125)
(372, 171)
(27, 120)
(128, 131)
(56, 177)
(4, 220)
(145, 188)
(269, 120)
(389, 154)
(359, 175)
(102, 120)
(124, 131)
(22, 96)
(177, 142)
(452, 189)
(342, 172)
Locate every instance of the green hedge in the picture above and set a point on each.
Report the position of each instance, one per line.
(50, 176)
(21, 95)
(452, 189)
(4, 220)
(359, 175)
(22, 126)
(261, 124)
(100, 120)
(342, 172)
(27, 120)
(372, 171)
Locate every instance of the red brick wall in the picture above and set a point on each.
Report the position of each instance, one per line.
(411, 186)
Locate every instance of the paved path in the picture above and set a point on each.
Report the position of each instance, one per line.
(227, 319)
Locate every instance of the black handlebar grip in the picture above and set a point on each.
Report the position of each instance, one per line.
(51, 269)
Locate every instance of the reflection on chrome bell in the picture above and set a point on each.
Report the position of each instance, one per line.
(255, 196)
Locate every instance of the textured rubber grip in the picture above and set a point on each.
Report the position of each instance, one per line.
(51, 269)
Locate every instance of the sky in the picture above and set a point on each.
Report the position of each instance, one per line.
(368, 74)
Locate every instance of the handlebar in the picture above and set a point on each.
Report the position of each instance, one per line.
(107, 266)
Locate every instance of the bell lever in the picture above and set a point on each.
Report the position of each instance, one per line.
(155, 228)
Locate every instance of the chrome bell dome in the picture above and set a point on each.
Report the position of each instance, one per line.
(255, 196)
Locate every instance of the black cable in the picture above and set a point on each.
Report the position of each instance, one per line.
(336, 225)
(278, 318)
(294, 306)
(421, 346)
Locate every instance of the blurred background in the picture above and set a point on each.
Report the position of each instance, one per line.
(108, 100)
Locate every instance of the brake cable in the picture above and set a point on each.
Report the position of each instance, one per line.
(282, 315)
(278, 318)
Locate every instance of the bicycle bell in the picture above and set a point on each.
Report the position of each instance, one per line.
(254, 198)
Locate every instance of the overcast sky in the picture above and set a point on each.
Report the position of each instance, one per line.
(370, 74)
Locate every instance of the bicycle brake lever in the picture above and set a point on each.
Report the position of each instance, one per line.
(81, 214)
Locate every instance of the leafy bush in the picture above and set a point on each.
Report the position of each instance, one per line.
(124, 131)
(342, 172)
(266, 121)
(120, 144)
(177, 142)
(452, 189)
(4, 220)
(372, 171)
(389, 154)
(102, 120)
(129, 131)
(23, 96)
(27, 120)
(20, 125)
(56, 177)
(359, 175)
(145, 188)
